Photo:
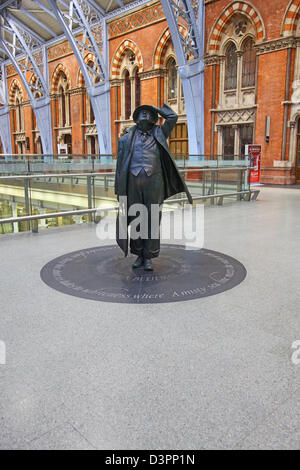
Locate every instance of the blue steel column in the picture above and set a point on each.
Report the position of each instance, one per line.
(99, 93)
(42, 109)
(5, 133)
(39, 98)
(190, 69)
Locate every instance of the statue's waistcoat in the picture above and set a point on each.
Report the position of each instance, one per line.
(145, 154)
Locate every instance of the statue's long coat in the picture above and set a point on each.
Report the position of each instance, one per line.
(173, 183)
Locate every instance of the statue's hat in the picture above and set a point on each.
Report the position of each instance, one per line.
(148, 108)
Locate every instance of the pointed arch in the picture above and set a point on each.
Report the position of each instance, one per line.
(162, 45)
(245, 8)
(290, 19)
(80, 78)
(127, 44)
(36, 91)
(55, 77)
(14, 86)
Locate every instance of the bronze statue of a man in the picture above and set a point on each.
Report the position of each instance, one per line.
(146, 174)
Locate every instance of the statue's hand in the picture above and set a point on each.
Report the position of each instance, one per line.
(162, 111)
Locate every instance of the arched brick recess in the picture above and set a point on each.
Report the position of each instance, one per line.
(118, 57)
(160, 50)
(291, 17)
(224, 19)
(12, 90)
(80, 79)
(55, 77)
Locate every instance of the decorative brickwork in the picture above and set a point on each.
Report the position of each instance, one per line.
(291, 17)
(117, 60)
(160, 51)
(15, 84)
(137, 20)
(88, 58)
(55, 77)
(60, 50)
(10, 70)
(224, 19)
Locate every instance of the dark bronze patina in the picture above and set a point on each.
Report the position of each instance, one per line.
(146, 174)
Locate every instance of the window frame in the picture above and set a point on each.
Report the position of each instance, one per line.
(232, 76)
(250, 63)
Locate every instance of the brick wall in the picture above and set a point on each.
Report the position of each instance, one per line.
(149, 26)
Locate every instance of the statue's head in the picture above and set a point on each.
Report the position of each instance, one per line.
(145, 116)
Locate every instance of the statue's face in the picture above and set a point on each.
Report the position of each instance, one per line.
(144, 115)
(145, 120)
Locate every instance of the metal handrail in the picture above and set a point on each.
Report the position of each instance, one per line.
(24, 156)
(109, 173)
(27, 218)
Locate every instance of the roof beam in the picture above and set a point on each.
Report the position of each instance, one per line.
(37, 21)
(26, 28)
(64, 4)
(7, 4)
(46, 10)
(96, 7)
(120, 3)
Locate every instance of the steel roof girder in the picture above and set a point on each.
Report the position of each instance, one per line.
(29, 31)
(3, 86)
(191, 72)
(5, 133)
(193, 90)
(38, 22)
(41, 105)
(29, 56)
(98, 92)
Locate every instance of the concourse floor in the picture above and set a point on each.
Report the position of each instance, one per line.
(212, 373)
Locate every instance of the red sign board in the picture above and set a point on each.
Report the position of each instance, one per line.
(254, 153)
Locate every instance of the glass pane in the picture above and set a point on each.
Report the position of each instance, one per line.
(172, 79)
(137, 89)
(228, 143)
(249, 64)
(127, 95)
(246, 136)
(231, 68)
(298, 151)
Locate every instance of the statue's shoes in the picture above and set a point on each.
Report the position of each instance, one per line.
(148, 265)
(138, 262)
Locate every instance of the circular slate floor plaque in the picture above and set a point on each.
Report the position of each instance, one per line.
(104, 274)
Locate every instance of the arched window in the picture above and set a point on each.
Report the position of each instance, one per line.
(172, 79)
(90, 116)
(249, 63)
(127, 95)
(19, 111)
(18, 116)
(63, 101)
(231, 68)
(62, 105)
(130, 84)
(137, 84)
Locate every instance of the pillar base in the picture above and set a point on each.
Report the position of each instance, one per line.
(281, 173)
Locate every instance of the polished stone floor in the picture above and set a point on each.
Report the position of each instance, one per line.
(214, 372)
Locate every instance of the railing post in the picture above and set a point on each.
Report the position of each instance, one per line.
(35, 226)
(203, 182)
(105, 183)
(27, 204)
(90, 200)
(212, 186)
(239, 184)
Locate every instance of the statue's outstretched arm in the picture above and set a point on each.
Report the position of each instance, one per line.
(170, 119)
